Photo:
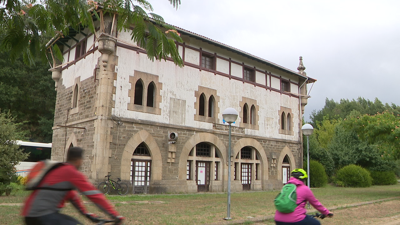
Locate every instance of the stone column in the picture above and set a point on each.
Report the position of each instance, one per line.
(103, 108)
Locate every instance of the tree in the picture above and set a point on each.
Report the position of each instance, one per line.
(325, 130)
(341, 110)
(25, 27)
(346, 148)
(27, 92)
(10, 154)
(381, 130)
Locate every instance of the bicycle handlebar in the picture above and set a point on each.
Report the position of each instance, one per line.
(321, 216)
(118, 179)
(105, 221)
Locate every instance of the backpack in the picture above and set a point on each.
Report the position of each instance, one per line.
(38, 172)
(285, 202)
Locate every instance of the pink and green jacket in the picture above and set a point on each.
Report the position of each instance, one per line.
(304, 195)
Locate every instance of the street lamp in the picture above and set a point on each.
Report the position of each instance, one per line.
(229, 115)
(307, 131)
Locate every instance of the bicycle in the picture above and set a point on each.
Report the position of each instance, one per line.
(120, 187)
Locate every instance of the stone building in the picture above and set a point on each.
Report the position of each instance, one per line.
(160, 126)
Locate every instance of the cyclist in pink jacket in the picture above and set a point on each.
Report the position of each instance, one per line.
(304, 194)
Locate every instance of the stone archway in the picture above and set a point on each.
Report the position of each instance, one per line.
(192, 142)
(292, 162)
(134, 141)
(250, 142)
(71, 140)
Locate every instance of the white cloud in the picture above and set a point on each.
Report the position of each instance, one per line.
(351, 47)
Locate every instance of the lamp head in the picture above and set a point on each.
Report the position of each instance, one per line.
(307, 129)
(230, 115)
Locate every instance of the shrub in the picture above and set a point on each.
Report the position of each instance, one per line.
(383, 177)
(22, 180)
(353, 176)
(318, 177)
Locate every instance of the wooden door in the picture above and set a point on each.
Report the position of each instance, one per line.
(203, 176)
(141, 175)
(246, 175)
(285, 173)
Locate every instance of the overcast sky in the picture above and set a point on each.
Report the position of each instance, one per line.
(352, 47)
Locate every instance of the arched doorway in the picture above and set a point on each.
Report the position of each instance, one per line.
(204, 166)
(285, 169)
(247, 167)
(140, 169)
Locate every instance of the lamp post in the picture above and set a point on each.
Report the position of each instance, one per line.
(229, 115)
(307, 131)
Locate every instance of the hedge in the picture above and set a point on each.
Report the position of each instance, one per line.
(383, 178)
(318, 177)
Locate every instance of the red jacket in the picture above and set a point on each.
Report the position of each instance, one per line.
(304, 194)
(57, 187)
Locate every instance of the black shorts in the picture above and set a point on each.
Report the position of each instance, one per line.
(51, 219)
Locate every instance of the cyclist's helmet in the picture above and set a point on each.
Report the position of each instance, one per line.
(299, 174)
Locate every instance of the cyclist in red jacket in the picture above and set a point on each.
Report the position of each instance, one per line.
(43, 205)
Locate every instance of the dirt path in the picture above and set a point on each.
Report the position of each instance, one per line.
(387, 213)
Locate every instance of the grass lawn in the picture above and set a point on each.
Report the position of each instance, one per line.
(204, 208)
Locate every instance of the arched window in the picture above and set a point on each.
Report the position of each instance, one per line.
(246, 153)
(286, 159)
(253, 115)
(141, 150)
(245, 164)
(211, 102)
(75, 97)
(289, 125)
(202, 102)
(283, 117)
(138, 92)
(204, 165)
(203, 149)
(151, 90)
(245, 113)
(285, 169)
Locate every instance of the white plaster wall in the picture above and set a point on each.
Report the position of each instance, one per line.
(260, 78)
(180, 51)
(237, 70)
(294, 88)
(72, 54)
(275, 83)
(65, 58)
(89, 42)
(192, 56)
(181, 83)
(222, 66)
(83, 69)
(125, 37)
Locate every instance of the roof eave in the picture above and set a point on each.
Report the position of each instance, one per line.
(242, 53)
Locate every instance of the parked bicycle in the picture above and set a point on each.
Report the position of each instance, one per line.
(106, 186)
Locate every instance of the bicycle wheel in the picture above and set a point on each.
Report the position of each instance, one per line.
(103, 187)
(122, 188)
